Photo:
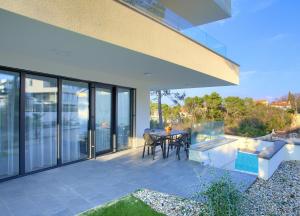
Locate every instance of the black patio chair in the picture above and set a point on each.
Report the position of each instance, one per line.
(180, 141)
(151, 142)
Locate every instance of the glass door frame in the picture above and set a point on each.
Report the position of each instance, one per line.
(132, 116)
(60, 120)
(22, 120)
(92, 131)
(23, 73)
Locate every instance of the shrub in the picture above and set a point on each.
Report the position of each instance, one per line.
(154, 124)
(223, 198)
(251, 127)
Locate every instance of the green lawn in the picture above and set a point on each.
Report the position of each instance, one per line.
(127, 206)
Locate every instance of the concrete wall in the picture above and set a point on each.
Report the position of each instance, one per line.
(224, 156)
(286, 153)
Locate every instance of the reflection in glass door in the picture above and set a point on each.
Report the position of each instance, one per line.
(123, 120)
(40, 122)
(103, 103)
(9, 124)
(75, 117)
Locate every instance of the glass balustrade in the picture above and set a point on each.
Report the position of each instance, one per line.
(157, 10)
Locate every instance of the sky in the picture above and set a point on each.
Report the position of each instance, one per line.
(263, 37)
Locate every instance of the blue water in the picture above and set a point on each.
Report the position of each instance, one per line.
(246, 162)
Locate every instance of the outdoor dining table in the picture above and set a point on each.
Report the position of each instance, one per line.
(164, 136)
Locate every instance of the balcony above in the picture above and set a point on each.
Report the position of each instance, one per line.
(200, 12)
(110, 38)
(186, 16)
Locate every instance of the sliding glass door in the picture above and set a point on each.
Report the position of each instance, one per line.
(40, 122)
(123, 119)
(75, 118)
(9, 124)
(48, 121)
(103, 111)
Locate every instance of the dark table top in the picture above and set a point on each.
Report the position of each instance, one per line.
(163, 133)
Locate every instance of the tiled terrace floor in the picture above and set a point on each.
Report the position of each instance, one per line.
(72, 189)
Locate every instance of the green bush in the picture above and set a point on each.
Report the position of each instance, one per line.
(223, 198)
(251, 127)
(154, 124)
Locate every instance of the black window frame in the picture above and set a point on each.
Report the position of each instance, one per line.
(91, 153)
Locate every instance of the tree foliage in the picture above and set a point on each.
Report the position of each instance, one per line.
(174, 96)
(242, 116)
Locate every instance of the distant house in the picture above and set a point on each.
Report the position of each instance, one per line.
(284, 105)
(262, 102)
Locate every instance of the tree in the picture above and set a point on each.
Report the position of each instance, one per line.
(175, 97)
(213, 104)
(194, 107)
(153, 108)
(167, 112)
(235, 107)
(293, 102)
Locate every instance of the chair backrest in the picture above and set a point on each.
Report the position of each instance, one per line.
(149, 139)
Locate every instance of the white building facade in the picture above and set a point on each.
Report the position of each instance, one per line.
(75, 76)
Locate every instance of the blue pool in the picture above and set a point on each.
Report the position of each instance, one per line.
(246, 162)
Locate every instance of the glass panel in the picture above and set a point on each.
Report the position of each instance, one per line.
(205, 131)
(40, 122)
(9, 124)
(103, 119)
(75, 116)
(123, 129)
(159, 11)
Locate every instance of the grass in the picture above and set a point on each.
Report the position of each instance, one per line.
(127, 206)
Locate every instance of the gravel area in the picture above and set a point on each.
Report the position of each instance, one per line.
(170, 205)
(280, 195)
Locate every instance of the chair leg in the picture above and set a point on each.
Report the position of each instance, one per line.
(153, 150)
(144, 151)
(187, 153)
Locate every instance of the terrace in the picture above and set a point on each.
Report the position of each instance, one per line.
(78, 187)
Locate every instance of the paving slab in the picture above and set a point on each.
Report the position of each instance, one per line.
(71, 189)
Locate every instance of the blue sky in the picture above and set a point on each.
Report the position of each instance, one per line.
(263, 36)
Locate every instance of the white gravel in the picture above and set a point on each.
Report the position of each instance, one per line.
(170, 205)
(280, 195)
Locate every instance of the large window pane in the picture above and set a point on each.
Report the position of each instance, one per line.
(103, 119)
(9, 124)
(123, 109)
(75, 115)
(40, 122)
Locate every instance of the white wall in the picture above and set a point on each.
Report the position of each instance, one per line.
(111, 22)
(142, 114)
(223, 156)
(286, 153)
